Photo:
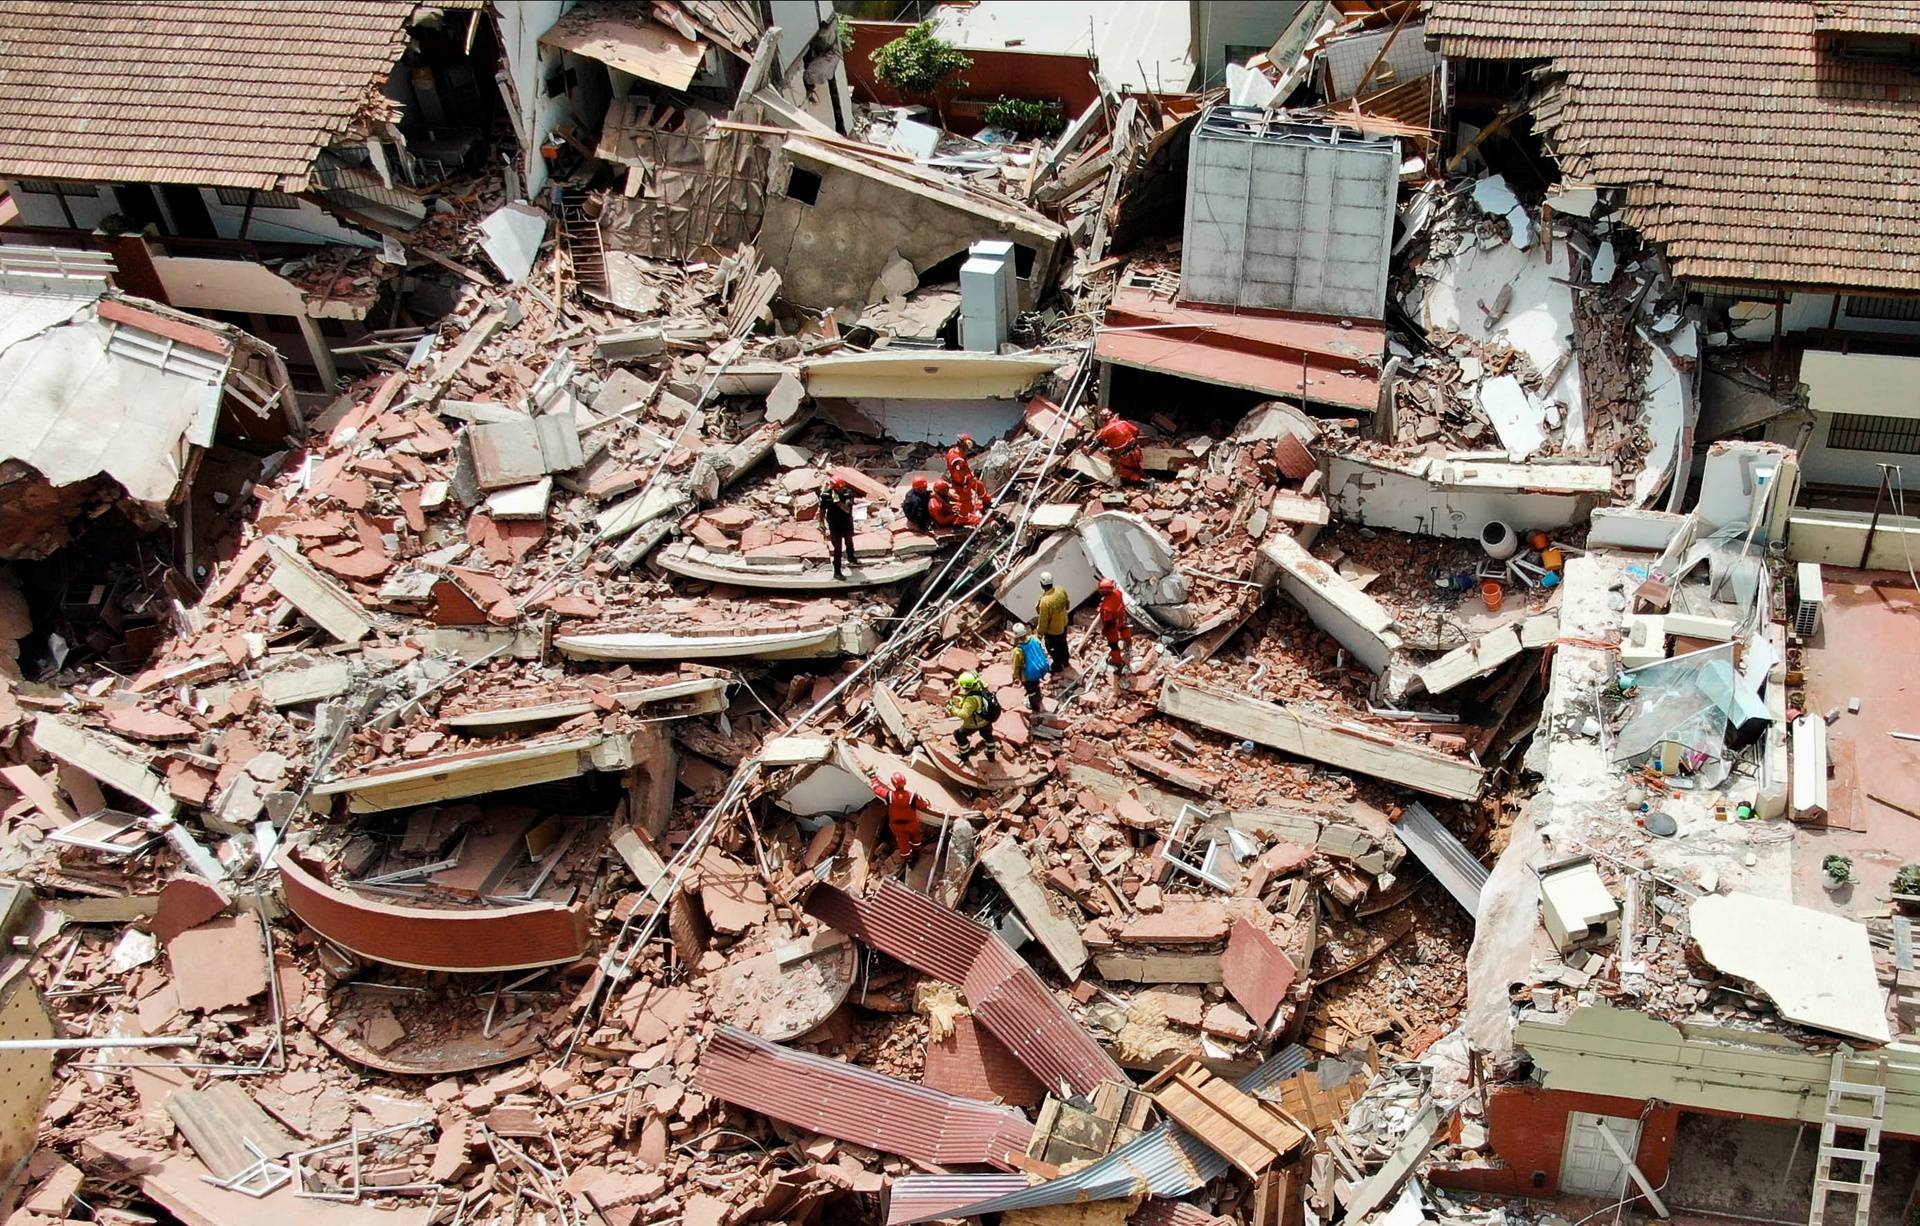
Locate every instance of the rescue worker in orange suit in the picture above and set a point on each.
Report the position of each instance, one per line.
(940, 507)
(1115, 625)
(903, 814)
(836, 510)
(1122, 441)
(915, 505)
(968, 490)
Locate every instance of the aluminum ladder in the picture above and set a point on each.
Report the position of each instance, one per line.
(1858, 1106)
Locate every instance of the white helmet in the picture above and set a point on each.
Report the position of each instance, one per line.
(1046, 578)
(1019, 630)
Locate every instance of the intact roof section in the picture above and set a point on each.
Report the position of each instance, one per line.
(182, 91)
(850, 1103)
(1747, 148)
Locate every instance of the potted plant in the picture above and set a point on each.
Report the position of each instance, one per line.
(918, 63)
(1839, 870)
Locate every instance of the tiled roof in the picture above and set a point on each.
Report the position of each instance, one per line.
(1747, 151)
(183, 91)
(1866, 17)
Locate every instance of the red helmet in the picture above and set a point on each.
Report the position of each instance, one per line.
(1107, 414)
(919, 483)
(965, 440)
(899, 780)
(941, 487)
(1108, 585)
(839, 483)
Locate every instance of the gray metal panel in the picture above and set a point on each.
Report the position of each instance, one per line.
(1288, 216)
(1444, 855)
(1168, 1161)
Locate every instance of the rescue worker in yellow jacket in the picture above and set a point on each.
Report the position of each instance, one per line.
(975, 706)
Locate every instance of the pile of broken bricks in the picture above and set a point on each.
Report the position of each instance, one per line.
(396, 598)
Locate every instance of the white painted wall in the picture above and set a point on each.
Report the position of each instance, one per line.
(521, 24)
(43, 208)
(1386, 498)
(1810, 311)
(305, 223)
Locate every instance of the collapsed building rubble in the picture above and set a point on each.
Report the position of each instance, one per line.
(1314, 742)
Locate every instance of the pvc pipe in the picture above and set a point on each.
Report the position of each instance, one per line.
(83, 1044)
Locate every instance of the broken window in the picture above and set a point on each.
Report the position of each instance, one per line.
(1868, 432)
(803, 185)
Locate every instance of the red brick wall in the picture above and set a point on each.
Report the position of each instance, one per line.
(1527, 1129)
(1037, 75)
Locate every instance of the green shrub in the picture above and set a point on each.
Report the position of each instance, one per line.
(1027, 117)
(918, 63)
(1840, 868)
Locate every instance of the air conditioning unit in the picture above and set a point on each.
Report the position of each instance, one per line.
(1810, 594)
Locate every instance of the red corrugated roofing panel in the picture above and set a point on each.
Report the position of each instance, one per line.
(850, 1103)
(1002, 990)
(972, 1063)
(1010, 1001)
(1330, 361)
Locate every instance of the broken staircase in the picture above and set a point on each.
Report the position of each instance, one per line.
(585, 251)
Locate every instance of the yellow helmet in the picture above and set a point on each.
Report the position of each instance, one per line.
(969, 681)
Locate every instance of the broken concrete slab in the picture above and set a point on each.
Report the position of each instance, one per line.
(1256, 971)
(293, 687)
(1470, 660)
(113, 762)
(1356, 620)
(218, 965)
(1817, 968)
(1014, 874)
(322, 601)
(524, 449)
(1307, 735)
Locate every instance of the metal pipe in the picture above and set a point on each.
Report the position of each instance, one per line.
(84, 1044)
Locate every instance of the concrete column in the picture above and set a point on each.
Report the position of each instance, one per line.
(318, 350)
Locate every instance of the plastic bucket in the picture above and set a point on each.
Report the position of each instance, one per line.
(1492, 594)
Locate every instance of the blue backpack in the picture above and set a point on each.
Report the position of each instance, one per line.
(1038, 664)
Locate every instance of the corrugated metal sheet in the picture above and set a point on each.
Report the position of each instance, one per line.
(921, 1198)
(1017, 1009)
(1166, 1162)
(1276, 352)
(904, 925)
(1444, 855)
(1000, 988)
(850, 1103)
(1173, 1213)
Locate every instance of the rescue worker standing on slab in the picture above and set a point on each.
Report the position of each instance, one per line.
(1050, 620)
(903, 814)
(914, 505)
(836, 509)
(1115, 624)
(1030, 663)
(969, 491)
(973, 705)
(1121, 438)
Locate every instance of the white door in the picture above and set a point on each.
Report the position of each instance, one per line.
(1589, 1167)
